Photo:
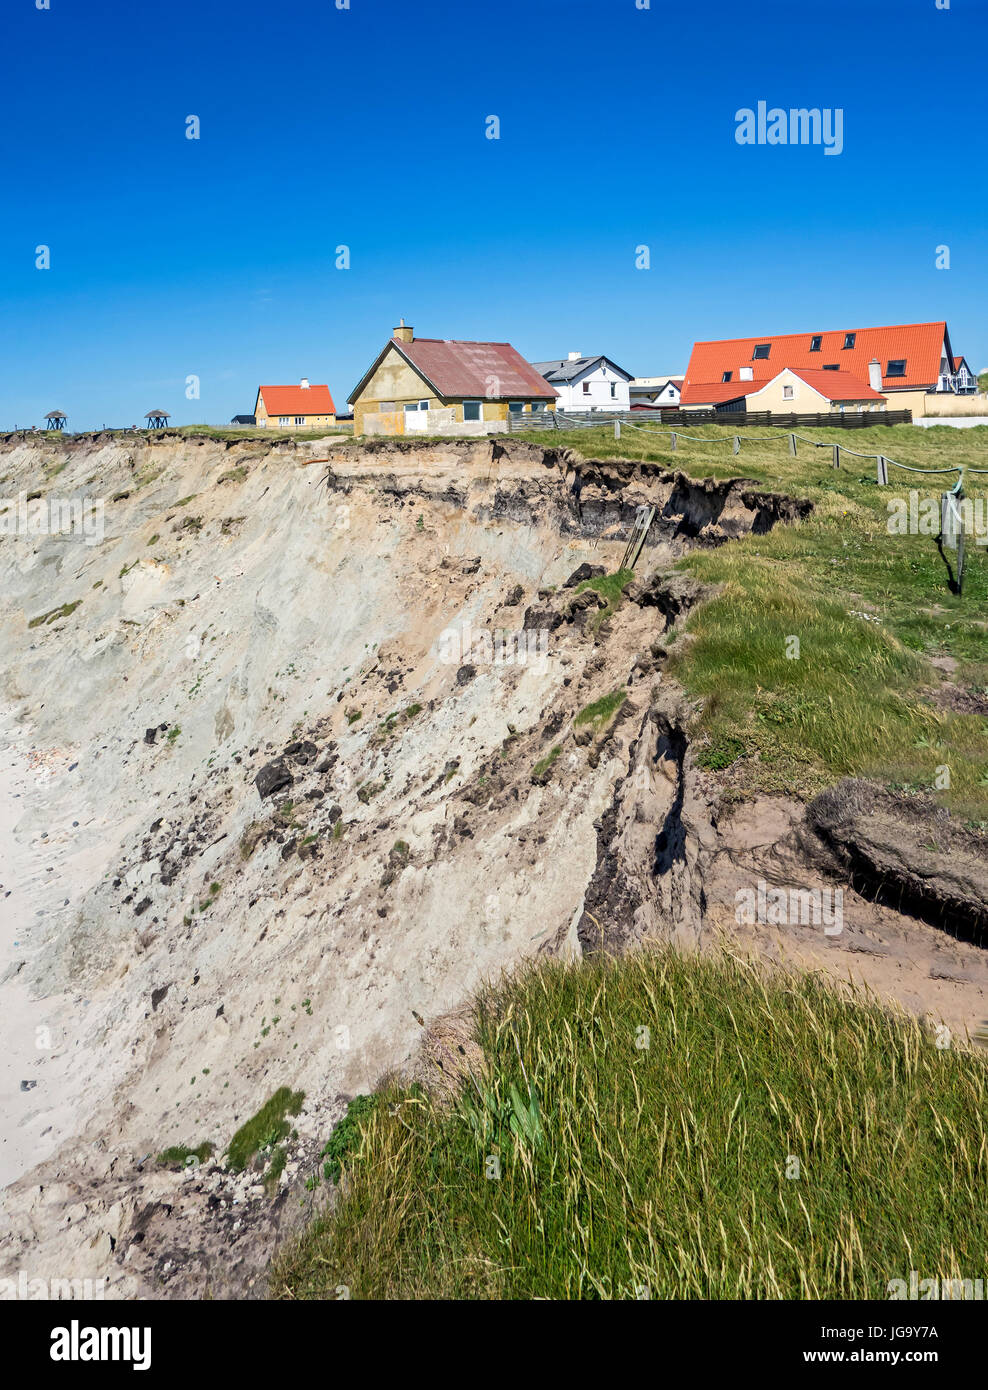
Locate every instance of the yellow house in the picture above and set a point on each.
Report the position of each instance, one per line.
(301, 407)
(797, 391)
(434, 383)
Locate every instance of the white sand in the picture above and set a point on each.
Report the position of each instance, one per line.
(34, 1041)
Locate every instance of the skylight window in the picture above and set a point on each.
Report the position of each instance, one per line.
(816, 342)
(849, 339)
(897, 367)
(727, 376)
(761, 351)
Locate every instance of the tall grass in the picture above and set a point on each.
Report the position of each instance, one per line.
(685, 1127)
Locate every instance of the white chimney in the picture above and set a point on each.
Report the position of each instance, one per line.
(746, 374)
(575, 356)
(875, 374)
(304, 383)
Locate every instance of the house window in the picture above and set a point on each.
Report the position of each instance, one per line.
(816, 342)
(300, 419)
(516, 407)
(472, 410)
(586, 388)
(538, 405)
(787, 393)
(761, 351)
(726, 377)
(284, 420)
(830, 367)
(849, 339)
(613, 390)
(671, 391)
(897, 367)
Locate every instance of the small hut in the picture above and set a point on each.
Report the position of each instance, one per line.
(56, 420)
(157, 419)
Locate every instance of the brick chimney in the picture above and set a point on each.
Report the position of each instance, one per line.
(403, 333)
(875, 374)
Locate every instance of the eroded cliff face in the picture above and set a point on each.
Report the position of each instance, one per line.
(316, 739)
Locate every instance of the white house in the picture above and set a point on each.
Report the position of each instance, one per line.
(654, 391)
(587, 383)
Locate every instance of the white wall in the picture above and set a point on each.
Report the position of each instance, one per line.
(599, 379)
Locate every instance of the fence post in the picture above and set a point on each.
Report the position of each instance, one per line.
(792, 445)
(672, 439)
(837, 456)
(883, 471)
(737, 444)
(617, 429)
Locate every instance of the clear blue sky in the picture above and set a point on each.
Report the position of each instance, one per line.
(366, 127)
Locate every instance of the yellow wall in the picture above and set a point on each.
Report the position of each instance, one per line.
(312, 422)
(805, 399)
(397, 383)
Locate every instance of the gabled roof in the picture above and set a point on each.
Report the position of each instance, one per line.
(455, 368)
(919, 344)
(562, 369)
(836, 386)
(296, 400)
(960, 360)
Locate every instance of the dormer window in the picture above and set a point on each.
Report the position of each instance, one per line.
(897, 367)
(849, 339)
(816, 342)
(727, 376)
(761, 351)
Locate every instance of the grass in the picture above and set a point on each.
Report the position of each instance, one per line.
(544, 764)
(345, 1138)
(855, 699)
(55, 614)
(266, 1129)
(611, 587)
(602, 711)
(179, 1155)
(693, 1127)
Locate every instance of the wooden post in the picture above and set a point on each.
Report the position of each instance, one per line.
(672, 439)
(737, 444)
(883, 471)
(837, 456)
(617, 429)
(792, 445)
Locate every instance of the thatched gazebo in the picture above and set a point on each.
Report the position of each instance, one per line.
(157, 419)
(56, 420)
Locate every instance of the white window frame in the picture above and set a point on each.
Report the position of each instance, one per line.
(284, 419)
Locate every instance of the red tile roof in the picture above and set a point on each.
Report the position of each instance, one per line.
(920, 344)
(297, 400)
(837, 386)
(491, 370)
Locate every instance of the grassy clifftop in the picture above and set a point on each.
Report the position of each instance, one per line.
(668, 1127)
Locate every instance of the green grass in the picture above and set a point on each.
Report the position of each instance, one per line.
(55, 614)
(666, 1160)
(265, 1129)
(178, 1156)
(853, 701)
(544, 764)
(602, 711)
(611, 587)
(345, 1138)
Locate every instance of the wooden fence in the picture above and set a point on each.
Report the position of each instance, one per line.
(735, 419)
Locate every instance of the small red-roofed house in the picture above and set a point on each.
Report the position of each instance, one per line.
(445, 383)
(301, 407)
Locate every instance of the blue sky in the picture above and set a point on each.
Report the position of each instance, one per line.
(365, 127)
